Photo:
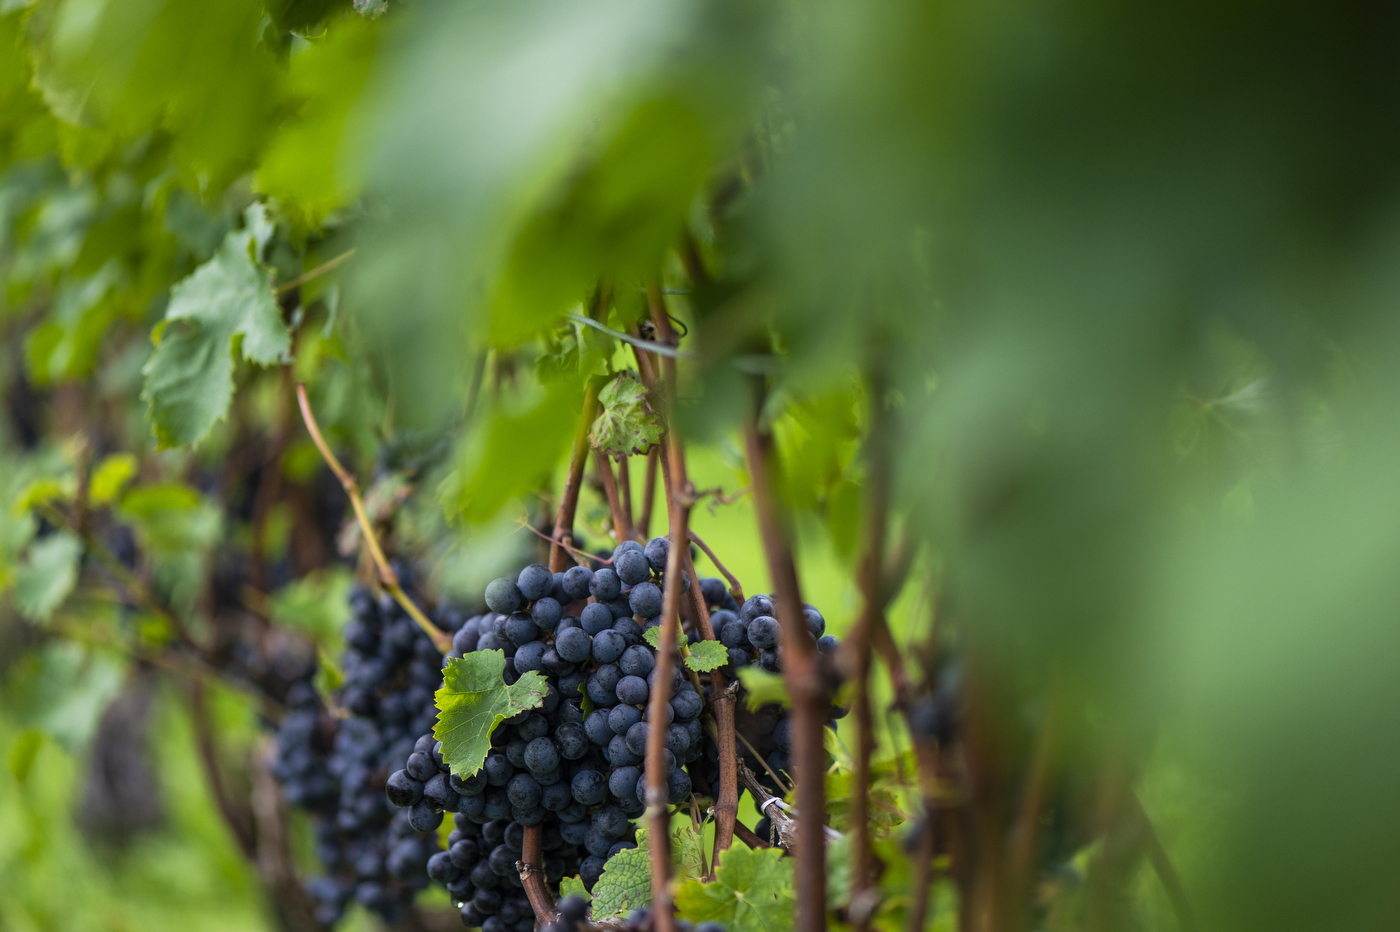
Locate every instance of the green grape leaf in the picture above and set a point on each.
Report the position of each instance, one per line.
(625, 884)
(752, 892)
(704, 656)
(652, 636)
(625, 423)
(189, 377)
(48, 576)
(763, 687)
(573, 886)
(473, 700)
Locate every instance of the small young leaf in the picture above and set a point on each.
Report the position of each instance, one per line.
(752, 892)
(652, 636)
(573, 886)
(625, 884)
(46, 578)
(625, 424)
(42, 490)
(111, 475)
(473, 700)
(705, 656)
(189, 377)
(763, 687)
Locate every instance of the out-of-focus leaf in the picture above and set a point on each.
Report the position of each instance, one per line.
(23, 752)
(762, 687)
(303, 165)
(625, 424)
(489, 142)
(189, 378)
(473, 700)
(44, 489)
(752, 892)
(65, 345)
(174, 519)
(184, 66)
(513, 452)
(110, 477)
(48, 575)
(315, 604)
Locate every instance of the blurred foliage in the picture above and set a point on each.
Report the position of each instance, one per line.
(1120, 276)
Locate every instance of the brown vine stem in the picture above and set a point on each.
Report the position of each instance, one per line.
(722, 701)
(678, 488)
(678, 513)
(803, 684)
(624, 493)
(532, 875)
(387, 577)
(581, 557)
(864, 895)
(209, 757)
(735, 589)
(621, 531)
(568, 503)
(648, 492)
(748, 837)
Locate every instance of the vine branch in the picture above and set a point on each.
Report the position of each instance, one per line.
(387, 577)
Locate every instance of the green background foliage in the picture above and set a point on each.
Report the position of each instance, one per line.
(1120, 276)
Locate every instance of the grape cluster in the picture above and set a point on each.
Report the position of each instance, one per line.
(336, 768)
(578, 775)
(753, 638)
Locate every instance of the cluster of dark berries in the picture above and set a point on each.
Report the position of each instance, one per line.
(753, 637)
(336, 768)
(577, 775)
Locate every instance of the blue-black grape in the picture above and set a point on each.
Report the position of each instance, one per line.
(602, 685)
(656, 551)
(619, 754)
(596, 726)
(608, 646)
(605, 585)
(645, 600)
(573, 645)
(519, 629)
(403, 790)
(572, 740)
(631, 565)
(541, 756)
(596, 617)
(535, 582)
(637, 661)
(546, 612)
(576, 580)
(636, 738)
(503, 596)
(632, 690)
(589, 787)
(764, 632)
(623, 717)
(687, 704)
